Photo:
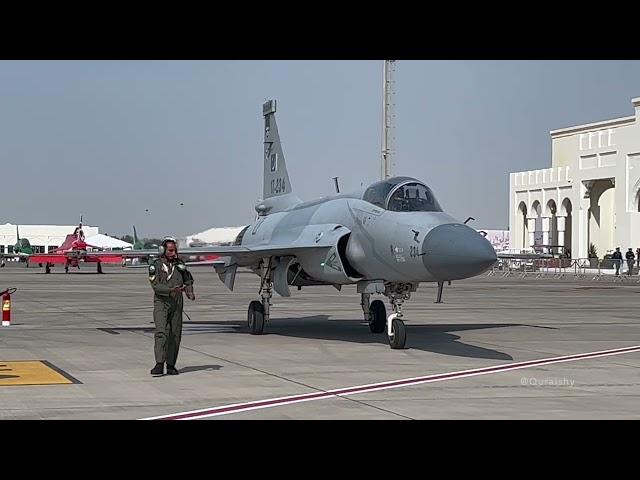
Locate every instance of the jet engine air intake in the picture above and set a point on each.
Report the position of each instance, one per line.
(329, 264)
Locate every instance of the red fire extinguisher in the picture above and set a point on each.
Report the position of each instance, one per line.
(6, 306)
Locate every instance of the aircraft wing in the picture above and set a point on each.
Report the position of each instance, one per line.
(11, 255)
(311, 238)
(523, 256)
(215, 260)
(14, 255)
(103, 256)
(235, 254)
(239, 254)
(245, 256)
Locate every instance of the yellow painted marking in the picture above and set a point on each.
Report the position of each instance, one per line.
(29, 372)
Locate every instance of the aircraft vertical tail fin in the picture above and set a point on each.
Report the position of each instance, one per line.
(135, 235)
(276, 177)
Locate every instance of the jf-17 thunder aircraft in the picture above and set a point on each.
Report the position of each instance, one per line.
(386, 239)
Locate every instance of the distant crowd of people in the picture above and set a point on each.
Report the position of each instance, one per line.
(630, 257)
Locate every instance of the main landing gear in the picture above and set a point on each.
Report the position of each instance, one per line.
(376, 315)
(258, 313)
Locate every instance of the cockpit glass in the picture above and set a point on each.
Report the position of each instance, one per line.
(413, 197)
(402, 194)
(377, 193)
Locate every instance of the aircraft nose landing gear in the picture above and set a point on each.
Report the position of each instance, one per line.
(396, 331)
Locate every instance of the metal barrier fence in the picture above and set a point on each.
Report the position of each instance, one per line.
(576, 268)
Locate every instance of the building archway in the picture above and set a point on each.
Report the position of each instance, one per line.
(565, 213)
(601, 220)
(535, 225)
(522, 229)
(634, 197)
(550, 212)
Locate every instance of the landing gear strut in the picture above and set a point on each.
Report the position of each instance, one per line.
(258, 313)
(440, 287)
(397, 294)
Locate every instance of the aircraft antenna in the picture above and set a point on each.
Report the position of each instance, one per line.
(388, 107)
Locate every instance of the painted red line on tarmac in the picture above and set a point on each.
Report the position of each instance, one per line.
(273, 402)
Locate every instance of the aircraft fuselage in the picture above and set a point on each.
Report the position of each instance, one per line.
(379, 244)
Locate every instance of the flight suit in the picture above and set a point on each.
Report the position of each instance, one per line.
(167, 306)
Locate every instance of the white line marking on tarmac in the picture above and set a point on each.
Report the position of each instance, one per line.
(288, 400)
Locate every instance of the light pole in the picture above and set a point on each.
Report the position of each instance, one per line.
(387, 118)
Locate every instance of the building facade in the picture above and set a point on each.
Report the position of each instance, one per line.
(43, 238)
(590, 195)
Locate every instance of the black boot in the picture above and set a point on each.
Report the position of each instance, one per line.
(171, 370)
(158, 369)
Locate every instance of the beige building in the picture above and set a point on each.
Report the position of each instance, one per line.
(591, 193)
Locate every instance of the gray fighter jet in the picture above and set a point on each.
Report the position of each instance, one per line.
(386, 239)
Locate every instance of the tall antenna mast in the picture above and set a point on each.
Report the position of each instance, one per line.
(388, 105)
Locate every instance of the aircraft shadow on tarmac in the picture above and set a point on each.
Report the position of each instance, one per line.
(435, 338)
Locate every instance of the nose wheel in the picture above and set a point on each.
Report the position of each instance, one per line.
(397, 332)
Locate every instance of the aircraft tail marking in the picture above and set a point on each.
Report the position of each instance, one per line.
(276, 177)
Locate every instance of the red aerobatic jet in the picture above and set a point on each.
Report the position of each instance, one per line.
(74, 250)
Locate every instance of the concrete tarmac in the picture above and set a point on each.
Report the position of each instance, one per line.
(97, 330)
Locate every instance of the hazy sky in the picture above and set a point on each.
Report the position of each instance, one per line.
(110, 139)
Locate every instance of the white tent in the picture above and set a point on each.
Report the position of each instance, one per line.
(105, 241)
(215, 236)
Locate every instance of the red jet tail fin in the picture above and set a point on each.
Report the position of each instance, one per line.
(66, 245)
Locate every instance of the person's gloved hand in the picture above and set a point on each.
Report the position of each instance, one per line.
(190, 293)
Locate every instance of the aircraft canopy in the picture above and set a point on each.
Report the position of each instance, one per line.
(402, 194)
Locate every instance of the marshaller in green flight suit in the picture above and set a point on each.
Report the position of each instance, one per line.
(169, 278)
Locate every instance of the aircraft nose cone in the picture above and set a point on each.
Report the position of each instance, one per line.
(456, 251)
